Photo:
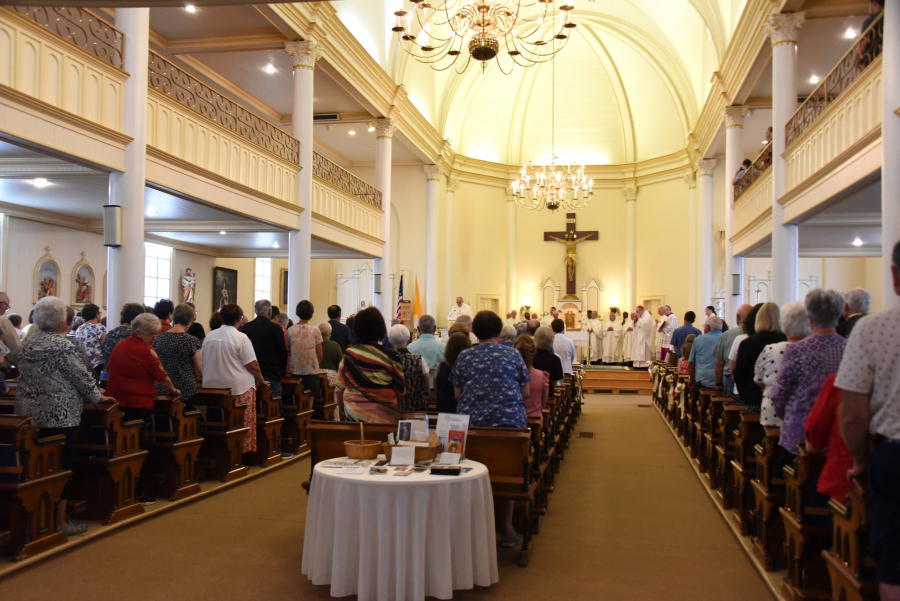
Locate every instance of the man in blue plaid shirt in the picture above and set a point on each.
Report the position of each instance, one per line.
(681, 334)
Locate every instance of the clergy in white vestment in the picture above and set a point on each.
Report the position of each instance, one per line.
(511, 318)
(627, 338)
(642, 346)
(595, 332)
(459, 308)
(611, 331)
(666, 326)
(546, 320)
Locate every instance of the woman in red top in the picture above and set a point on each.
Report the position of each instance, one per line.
(134, 369)
(823, 433)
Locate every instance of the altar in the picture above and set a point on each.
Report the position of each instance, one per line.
(580, 338)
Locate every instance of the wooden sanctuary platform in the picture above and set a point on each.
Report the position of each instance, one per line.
(616, 380)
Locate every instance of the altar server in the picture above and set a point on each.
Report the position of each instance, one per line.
(642, 349)
(611, 332)
(627, 339)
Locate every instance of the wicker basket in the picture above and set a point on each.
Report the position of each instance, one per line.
(422, 453)
(362, 449)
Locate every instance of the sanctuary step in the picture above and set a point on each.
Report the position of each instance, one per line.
(616, 381)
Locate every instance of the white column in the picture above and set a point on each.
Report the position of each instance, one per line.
(4, 251)
(691, 182)
(705, 238)
(452, 185)
(305, 54)
(432, 183)
(125, 264)
(782, 30)
(511, 237)
(630, 192)
(384, 129)
(890, 148)
(734, 155)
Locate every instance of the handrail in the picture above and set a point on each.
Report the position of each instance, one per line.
(851, 65)
(762, 162)
(187, 90)
(338, 176)
(81, 28)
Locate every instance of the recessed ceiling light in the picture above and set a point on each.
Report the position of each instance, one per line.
(857, 242)
(222, 232)
(850, 33)
(190, 8)
(270, 68)
(371, 127)
(40, 182)
(151, 211)
(275, 244)
(814, 79)
(351, 132)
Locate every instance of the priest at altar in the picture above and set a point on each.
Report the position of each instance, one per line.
(548, 319)
(459, 308)
(611, 332)
(595, 330)
(642, 345)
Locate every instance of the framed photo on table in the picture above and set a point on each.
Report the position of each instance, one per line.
(224, 287)
(283, 293)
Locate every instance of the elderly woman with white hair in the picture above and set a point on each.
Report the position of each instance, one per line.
(795, 325)
(415, 371)
(806, 365)
(508, 335)
(54, 382)
(331, 350)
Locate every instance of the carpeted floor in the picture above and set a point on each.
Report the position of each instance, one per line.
(629, 520)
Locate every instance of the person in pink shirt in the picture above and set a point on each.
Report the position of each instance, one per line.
(540, 380)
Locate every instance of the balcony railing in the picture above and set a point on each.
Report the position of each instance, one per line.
(192, 93)
(80, 28)
(346, 181)
(753, 173)
(861, 54)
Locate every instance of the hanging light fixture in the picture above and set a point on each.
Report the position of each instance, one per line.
(552, 186)
(484, 28)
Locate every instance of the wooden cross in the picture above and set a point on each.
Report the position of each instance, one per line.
(579, 237)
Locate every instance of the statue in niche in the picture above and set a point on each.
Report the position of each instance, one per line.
(188, 281)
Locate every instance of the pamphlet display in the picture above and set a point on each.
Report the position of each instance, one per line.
(452, 430)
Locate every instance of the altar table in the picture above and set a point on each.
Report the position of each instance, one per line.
(390, 537)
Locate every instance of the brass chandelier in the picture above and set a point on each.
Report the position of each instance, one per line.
(554, 187)
(482, 27)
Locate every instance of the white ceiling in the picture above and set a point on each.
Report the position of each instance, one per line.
(209, 21)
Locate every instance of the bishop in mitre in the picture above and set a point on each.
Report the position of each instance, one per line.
(611, 331)
(595, 337)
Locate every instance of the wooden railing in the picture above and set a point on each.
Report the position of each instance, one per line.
(753, 173)
(81, 28)
(862, 54)
(337, 176)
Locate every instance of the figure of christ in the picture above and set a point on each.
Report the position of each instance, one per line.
(571, 258)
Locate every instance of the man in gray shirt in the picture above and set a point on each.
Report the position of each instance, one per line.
(721, 350)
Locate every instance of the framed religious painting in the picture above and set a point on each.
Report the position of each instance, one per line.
(46, 277)
(83, 283)
(283, 294)
(224, 287)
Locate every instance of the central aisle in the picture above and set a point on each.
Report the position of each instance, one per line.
(628, 521)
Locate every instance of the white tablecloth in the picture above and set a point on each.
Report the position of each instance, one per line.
(394, 538)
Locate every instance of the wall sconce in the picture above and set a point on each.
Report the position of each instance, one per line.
(735, 284)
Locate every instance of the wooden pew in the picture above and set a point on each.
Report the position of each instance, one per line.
(107, 465)
(174, 444)
(806, 535)
(505, 451)
(768, 490)
(743, 467)
(850, 566)
(297, 411)
(268, 429)
(223, 431)
(324, 408)
(540, 469)
(31, 484)
(701, 406)
(725, 453)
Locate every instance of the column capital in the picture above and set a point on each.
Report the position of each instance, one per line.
(734, 115)
(452, 183)
(706, 166)
(385, 127)
(783, 28)
(432, 172)
(690, 180)
(305, 54)
(630, 191)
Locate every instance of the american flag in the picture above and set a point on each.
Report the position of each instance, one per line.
(400, 297)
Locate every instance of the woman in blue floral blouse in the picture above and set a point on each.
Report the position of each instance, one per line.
(491, 384)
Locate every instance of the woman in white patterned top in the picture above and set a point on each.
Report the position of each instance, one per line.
(796, 327)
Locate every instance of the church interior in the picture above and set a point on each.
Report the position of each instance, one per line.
(703, 154)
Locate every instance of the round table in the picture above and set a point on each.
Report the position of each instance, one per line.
(400, 537)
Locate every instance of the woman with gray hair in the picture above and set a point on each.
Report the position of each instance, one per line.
(507, 335)
(415, 371)
(54, 382)
(806, 365)
(544, 357)
(796, 328)
(331, 351)
(180, 355)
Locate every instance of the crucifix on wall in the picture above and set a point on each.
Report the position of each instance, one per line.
(571, 237)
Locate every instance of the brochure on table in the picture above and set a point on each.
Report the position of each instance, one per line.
(452, 430)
